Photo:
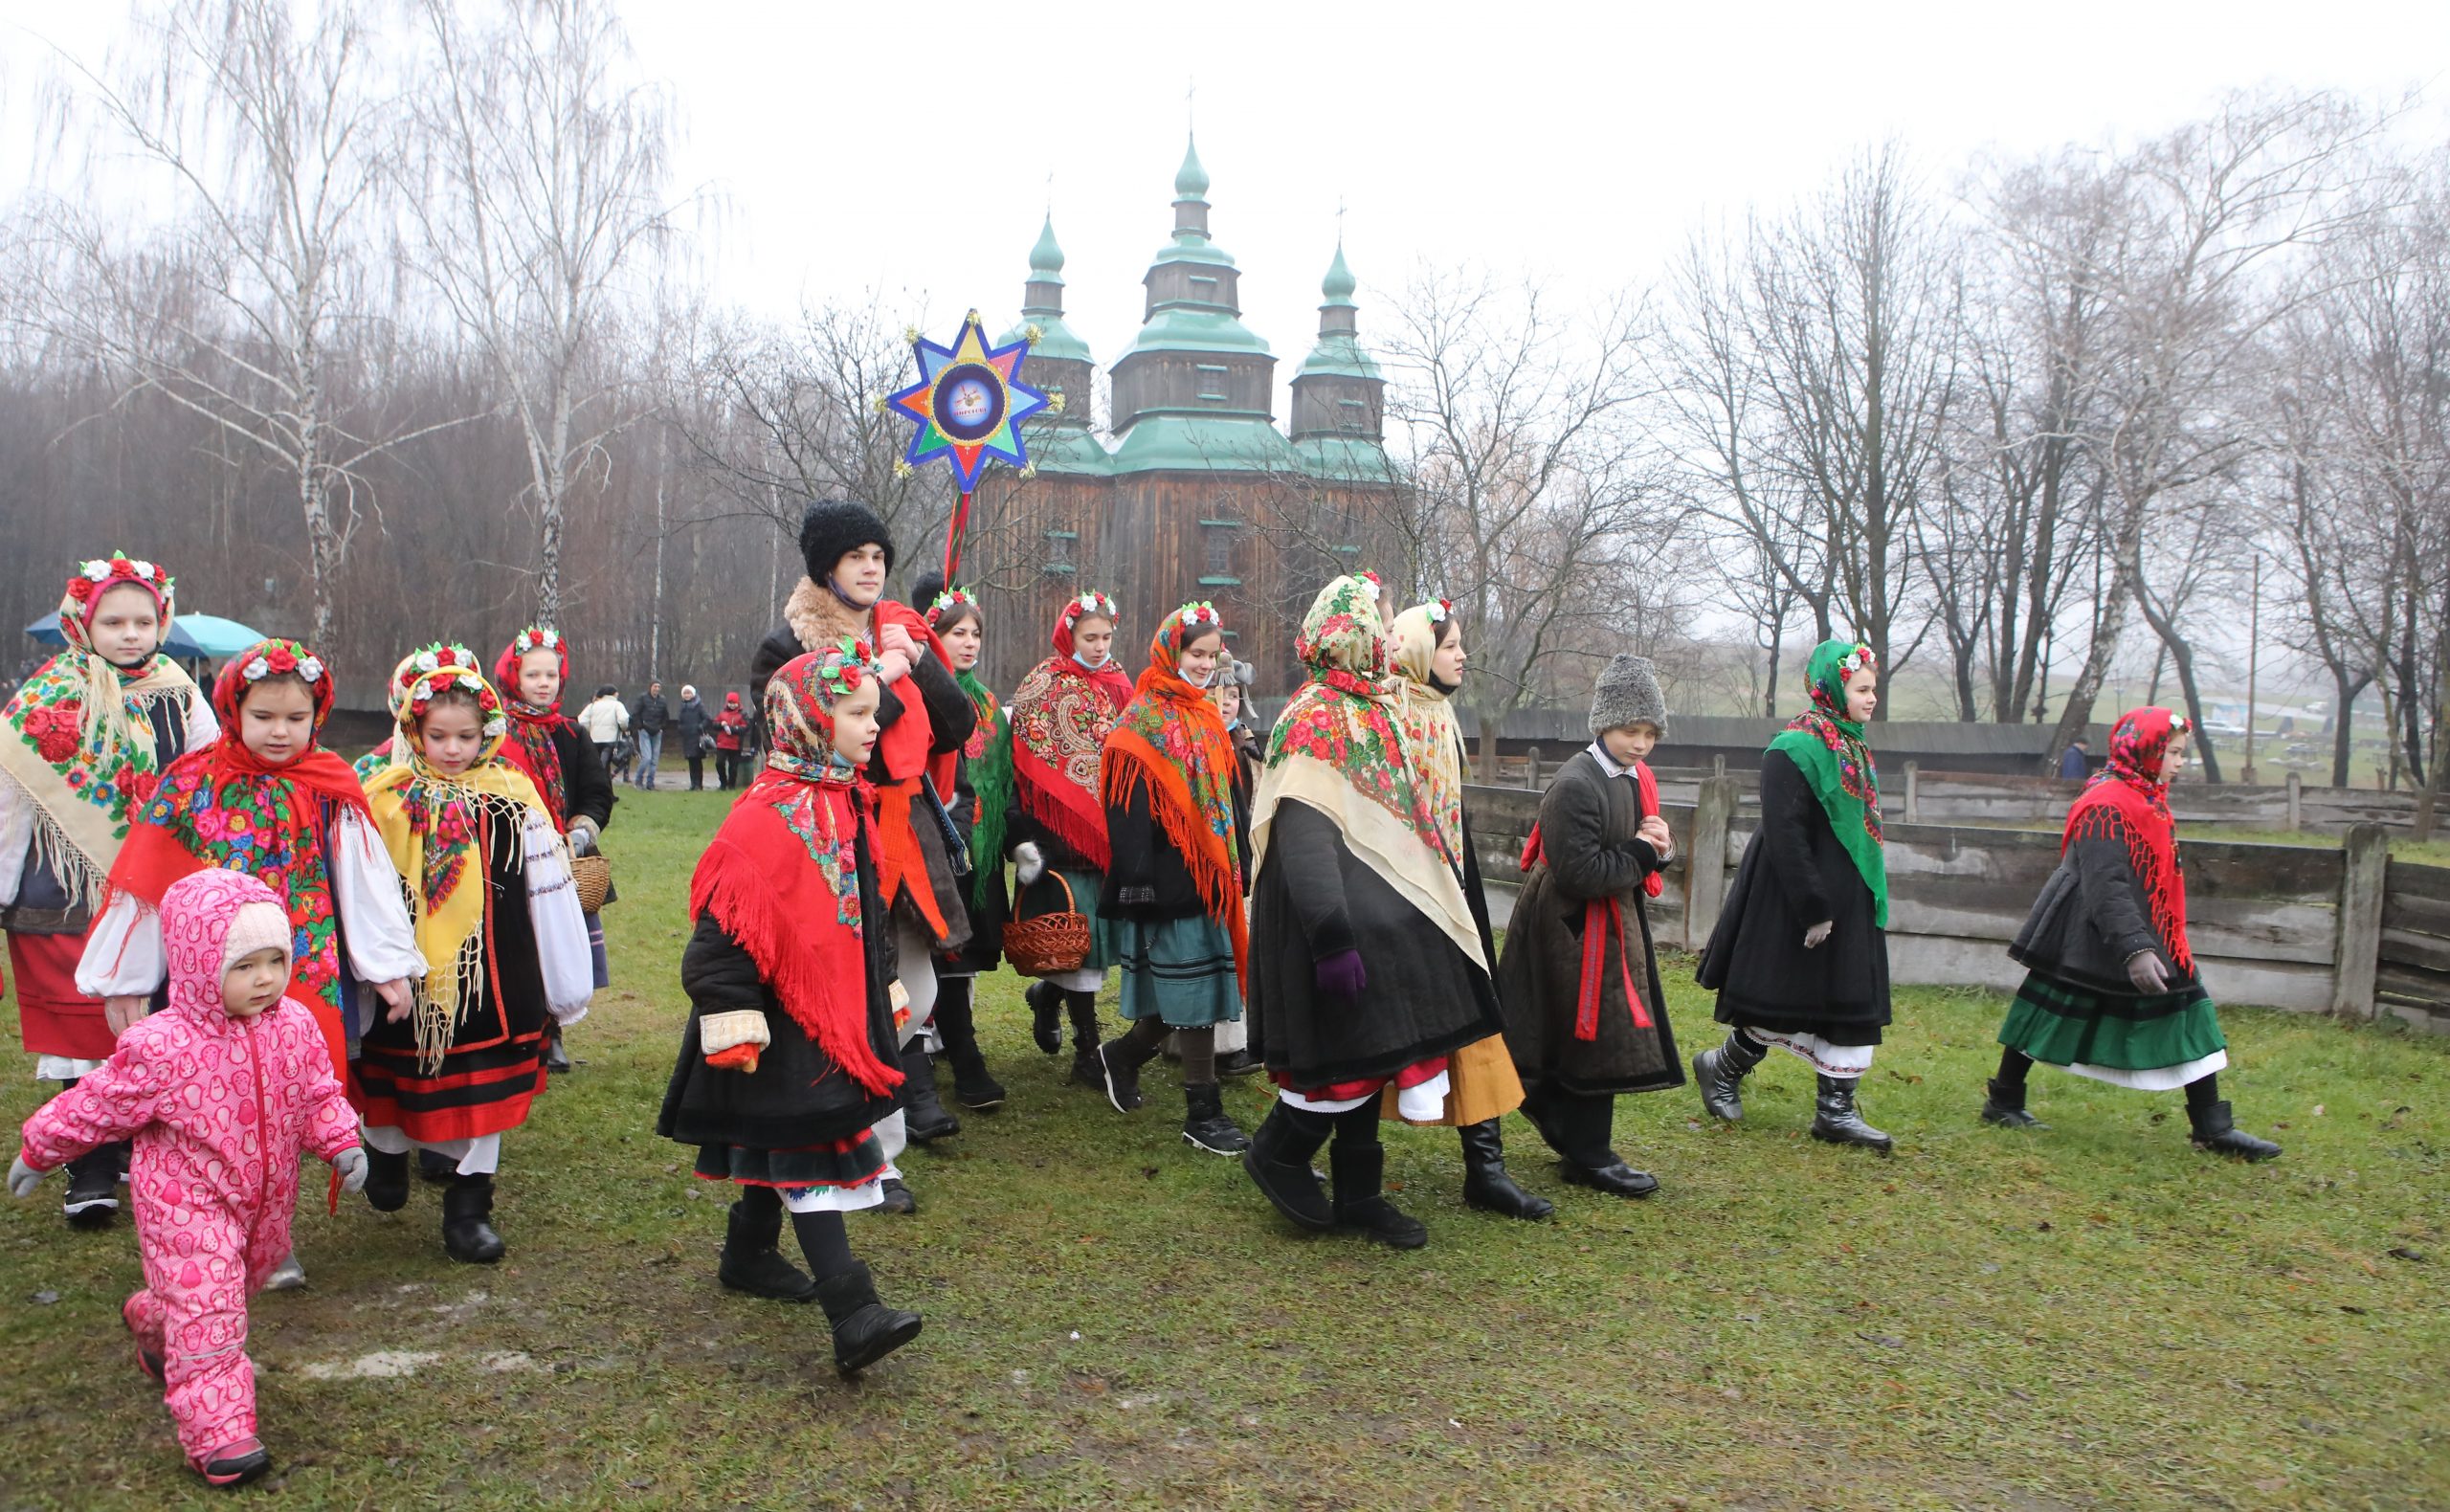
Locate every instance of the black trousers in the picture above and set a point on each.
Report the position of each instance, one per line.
(696, 770)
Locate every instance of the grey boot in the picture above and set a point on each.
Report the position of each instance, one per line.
(1836, 1121)
(1720, 1075)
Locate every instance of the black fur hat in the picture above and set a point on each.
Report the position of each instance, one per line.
(832, 527)
(924, 587)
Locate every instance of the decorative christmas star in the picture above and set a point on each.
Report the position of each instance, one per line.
(968, 403)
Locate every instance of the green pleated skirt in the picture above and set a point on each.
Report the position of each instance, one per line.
(2151, 1041)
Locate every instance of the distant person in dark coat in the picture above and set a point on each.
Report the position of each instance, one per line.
(648, 719)
(2076, 764)
(697, 737)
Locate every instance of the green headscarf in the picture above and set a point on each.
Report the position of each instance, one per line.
(1828, 748)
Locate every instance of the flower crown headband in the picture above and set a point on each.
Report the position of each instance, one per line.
(535, 638)
(945, 602)
(1439, 610)
(844, 666)
(97, 575)
(1856, 661)
(1199, 612)
(1092, 602)
(275, 656)
(443, 665)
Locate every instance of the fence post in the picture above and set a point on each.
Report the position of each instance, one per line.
(2356, 958)
(2296, 803)
(1531, 768)
(1706, 868)
(1913, 792)
(1718, 765)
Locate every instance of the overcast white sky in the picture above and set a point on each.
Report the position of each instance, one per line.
(860, 145)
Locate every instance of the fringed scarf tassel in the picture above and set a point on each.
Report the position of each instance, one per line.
(744, 902)
(2157, 875)
(1170, 798)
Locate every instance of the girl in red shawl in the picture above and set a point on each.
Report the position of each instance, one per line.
(1177, 809)
(787, 1062)
(560, 761)
(81, 744)
(2110, 990)
(1056, 831)
(925, 719)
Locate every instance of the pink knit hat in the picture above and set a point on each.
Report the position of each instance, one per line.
(259, 925)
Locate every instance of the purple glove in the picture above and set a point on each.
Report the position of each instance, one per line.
(1342, 975)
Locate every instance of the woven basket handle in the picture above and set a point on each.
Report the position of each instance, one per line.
(1069, 906)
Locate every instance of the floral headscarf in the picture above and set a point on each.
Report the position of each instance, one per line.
(1171, 740)
(2128, 801)
(77, 736)
(1432, 739)
(1338, 749)
(782, 874)
(433, 824)
(1062, 713)
(1828, 748)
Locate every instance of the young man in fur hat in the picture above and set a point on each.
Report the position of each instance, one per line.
(1586, 1019)
(924, 720)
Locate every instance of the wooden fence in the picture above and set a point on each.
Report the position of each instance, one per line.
(2348, 930)
(1917, 796)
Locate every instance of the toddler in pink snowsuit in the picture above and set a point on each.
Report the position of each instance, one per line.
(220, 1092)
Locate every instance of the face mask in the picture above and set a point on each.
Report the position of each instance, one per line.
(1092, 666)
(1203, 679)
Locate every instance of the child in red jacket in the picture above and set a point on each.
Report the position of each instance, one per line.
(220, 1092)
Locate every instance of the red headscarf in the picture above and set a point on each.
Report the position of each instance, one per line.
(530, 747)
(1172, 740)
(2128, 801)
(1111, 676)
(781, 875)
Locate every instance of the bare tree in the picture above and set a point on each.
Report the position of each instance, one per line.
(1532, 498)
(541, 201)
(251, 308)
(2195, 273)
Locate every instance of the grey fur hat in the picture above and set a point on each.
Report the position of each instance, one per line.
(1628, 694)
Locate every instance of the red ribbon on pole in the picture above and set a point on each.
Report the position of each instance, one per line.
(953, 533)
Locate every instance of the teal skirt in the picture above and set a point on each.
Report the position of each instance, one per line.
(1180, 970)
(2060, 1024)
(1044, 897)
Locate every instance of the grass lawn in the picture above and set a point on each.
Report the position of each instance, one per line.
(2096, 1317)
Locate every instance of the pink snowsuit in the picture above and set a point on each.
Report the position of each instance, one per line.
(218, 1109)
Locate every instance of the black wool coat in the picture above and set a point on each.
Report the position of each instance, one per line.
(1313, 899)
(1148, 880)
(2090, 920)
(1795, 874)
(797, 1095)
(1591, 853)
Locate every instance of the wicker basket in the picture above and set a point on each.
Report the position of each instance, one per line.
(592, 874)
(1050, 942)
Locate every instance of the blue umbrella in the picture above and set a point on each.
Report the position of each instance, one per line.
(207, 637)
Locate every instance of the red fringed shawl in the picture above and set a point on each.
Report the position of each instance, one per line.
(2128, 802)
(782, 877)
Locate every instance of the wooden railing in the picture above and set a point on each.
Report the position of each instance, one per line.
(2348, 930)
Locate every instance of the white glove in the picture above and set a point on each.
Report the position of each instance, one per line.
(23, 1178)
(1029, 862)
(350, 1162)
(581, 839)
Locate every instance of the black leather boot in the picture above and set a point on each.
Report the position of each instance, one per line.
(1088, 1068)
(1205, 1125)
(753, 1263)
(1046, 1016)
(557, 1061)
(435, 1167)
(956, 1020)
(865, 1331)
(1487, 1185)
(92, 1200)
(1360, 1205)
(1720, 1075)
(1278, 1165)
(2216, 1132)
(466, 1235)
(387, 1180)
(1119, 1062)
(897, 1197)
(2005, 1107)
(924, 1113)
(1836, 1121)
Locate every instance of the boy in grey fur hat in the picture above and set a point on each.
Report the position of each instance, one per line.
(1586, 1016)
